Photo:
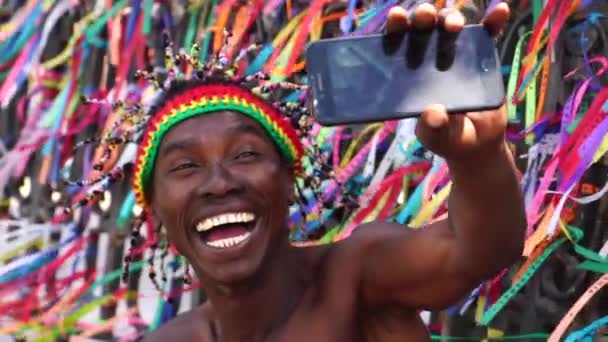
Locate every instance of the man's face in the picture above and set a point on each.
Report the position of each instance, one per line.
(222, 192)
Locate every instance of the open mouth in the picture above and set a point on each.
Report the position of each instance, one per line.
(226, 230)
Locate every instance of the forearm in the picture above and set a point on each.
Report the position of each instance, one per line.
(486, 213)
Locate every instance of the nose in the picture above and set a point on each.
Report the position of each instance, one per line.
(219, 182)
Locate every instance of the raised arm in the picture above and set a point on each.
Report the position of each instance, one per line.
(434, 266)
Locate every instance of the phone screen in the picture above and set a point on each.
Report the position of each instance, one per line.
(372, 78)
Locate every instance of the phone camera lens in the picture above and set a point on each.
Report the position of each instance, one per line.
(486, 64)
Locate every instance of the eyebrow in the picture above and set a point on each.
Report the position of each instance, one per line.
(246, 128)
(188, 142)
(177, 145)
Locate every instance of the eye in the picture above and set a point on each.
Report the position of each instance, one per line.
(247, 155)
(183, 166)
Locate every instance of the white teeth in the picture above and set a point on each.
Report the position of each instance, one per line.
(229, 242)
(218, 220)
(212, 222)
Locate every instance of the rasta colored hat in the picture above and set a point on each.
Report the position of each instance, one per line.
(210, 98)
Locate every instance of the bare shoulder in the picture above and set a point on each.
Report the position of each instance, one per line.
(379, 230)
(193, 325)
(368, 235)
(339, 262)
(374, 233)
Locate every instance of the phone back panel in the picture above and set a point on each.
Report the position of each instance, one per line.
(378, 77)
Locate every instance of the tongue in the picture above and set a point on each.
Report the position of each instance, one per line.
(226, 231)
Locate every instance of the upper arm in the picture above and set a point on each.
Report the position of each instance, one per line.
(417, 269)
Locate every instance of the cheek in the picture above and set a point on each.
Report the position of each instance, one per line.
(178, 239)
(173, 192)
(273, 187)
(171, 201)
(269, 180)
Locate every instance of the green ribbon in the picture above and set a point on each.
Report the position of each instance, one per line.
(147, 16)
(532, 336)
(489, 315)
(513, 76)
(530, 110)
(537, 8)
(97, 26)
(192, 28)
(207, 39)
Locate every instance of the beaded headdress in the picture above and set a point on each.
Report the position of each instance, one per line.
(218, 88)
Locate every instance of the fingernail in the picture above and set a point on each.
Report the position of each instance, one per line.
(454, 20)
(425, 7)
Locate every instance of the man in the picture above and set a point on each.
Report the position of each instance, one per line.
(221, 184)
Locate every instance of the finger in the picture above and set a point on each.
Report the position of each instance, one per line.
(451, 20)
(397, 20)
(491, 120)
(435, 116)
(431, 129)
(425, 17)
(497, 18)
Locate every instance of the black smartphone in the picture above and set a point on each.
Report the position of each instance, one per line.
(383, 77)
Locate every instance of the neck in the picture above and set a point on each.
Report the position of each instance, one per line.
(250, 311)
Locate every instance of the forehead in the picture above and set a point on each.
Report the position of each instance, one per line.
(222, 124)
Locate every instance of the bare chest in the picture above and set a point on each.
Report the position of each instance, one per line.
(331, 322)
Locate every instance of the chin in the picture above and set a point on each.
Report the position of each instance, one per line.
(235, 264)
(234, 273)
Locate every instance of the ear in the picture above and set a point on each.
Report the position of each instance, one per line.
(290, 187)
(151, 215)
(154, 221)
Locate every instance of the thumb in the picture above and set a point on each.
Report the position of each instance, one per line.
(432, 126)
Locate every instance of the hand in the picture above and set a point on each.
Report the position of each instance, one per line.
(455, 137)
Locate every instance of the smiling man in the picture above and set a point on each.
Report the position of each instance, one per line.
(216, 167)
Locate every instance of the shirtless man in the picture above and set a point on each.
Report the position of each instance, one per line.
(367, 287)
